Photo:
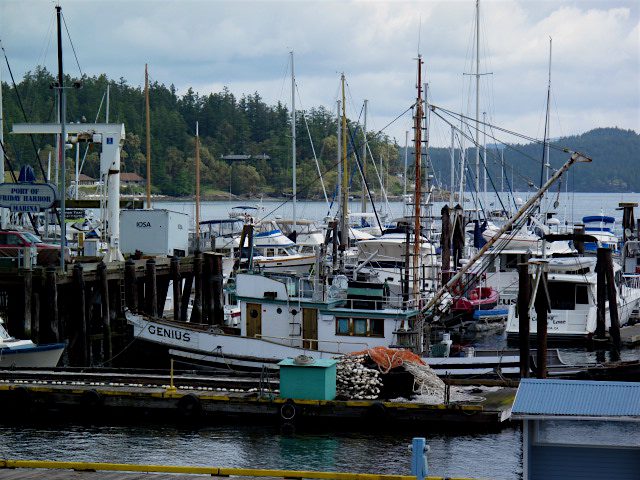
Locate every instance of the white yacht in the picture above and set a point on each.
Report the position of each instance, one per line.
(572, 291)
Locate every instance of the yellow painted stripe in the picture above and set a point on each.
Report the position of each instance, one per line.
(214, 471)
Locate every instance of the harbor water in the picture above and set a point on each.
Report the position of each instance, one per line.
(496, 455)
(485, 455)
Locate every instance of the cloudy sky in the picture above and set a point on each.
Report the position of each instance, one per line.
(244, 45)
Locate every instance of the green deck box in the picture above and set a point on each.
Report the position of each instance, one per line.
(308, 381)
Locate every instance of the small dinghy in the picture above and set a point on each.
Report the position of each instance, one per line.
(478, 298)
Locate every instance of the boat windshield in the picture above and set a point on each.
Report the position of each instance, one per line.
(31, 237)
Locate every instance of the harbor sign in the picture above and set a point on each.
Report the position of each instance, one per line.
(27, 197)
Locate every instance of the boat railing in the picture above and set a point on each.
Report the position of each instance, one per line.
(395, 302)
(631, 280)
(294, 342)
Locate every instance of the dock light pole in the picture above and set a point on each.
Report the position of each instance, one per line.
(63, 141)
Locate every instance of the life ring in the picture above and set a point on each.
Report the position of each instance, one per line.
(288, 411)
(189, 406)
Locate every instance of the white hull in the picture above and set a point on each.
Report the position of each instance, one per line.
(42, 356)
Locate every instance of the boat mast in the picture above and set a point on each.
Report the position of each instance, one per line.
(477, 108)
(3, 216)
(406, 154)
(148, 122)
(293, 142)
(63, 141)
(364, 159)
(344, 240)
(339, 150)
(452, 161)
(547, 162)
(197, 188)
(418, 182)
(484, 159)
(106, 115)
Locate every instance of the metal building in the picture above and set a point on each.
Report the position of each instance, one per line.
(579, 429)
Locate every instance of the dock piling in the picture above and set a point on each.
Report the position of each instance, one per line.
(51, 291)
(78, 354)
(131, 294)
(542, 310)
(106, 316)
(151, 289)
(601, 293)
(524, 297)
(196, 312)
(176, 283)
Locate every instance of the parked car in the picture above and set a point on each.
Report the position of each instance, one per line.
(13, 243)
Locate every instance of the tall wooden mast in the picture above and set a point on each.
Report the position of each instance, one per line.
(197, 188)
(148, 121)
(344, 239)
(418, 182)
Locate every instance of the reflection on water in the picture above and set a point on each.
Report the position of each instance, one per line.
(494, 455)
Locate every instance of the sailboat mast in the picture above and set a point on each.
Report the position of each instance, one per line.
(293, 140)
(418, 181)
(404, 191)
(345, 184)
(339, 149)
(452, 161)
(477, 107)
(484, 158)
(547, 162)
(63, 141)
(364, 158)
(148, 122)
(197, 188)
(3, 217)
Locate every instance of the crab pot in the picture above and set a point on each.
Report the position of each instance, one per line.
(308, 381)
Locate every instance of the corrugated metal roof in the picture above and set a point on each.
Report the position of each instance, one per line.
(577, 398)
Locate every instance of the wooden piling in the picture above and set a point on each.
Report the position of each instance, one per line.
(524, 297)
(130, 285)
(176, 281)
(151, 289)
(445, 243)
(541, 306)
(106, 317)
(196, 311)
(51, 304)
(601, 293)
(614, 327)
(35, 312)
(78, 354)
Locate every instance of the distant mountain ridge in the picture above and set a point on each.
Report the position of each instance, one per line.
(615, 167)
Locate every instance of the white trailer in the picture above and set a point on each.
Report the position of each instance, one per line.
(154, 232)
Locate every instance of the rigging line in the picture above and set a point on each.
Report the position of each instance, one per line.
(33, 221)
(313, 149)
(47, 41)
(507, 145)
(33, 142)
(505, 130)
(86, 150)
(71, 42)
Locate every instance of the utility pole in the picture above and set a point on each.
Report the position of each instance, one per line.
(197, 188)
(148, 122)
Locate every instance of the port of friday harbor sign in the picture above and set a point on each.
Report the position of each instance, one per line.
(27, 197)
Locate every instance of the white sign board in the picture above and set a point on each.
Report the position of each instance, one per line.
(26, 197)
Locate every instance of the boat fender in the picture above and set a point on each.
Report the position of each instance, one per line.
(189, 406)
(378, 411)
(289, 411)
(91, 399)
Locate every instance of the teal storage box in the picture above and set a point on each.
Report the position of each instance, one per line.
(308, 381)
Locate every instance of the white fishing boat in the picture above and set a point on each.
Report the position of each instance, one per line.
(25, 353)
(572, 287)
(602, 228)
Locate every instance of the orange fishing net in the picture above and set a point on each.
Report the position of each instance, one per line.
(388, 358)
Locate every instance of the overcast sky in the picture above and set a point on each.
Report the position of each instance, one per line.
(244, 45)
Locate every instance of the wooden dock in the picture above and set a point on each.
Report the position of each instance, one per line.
(93, 401)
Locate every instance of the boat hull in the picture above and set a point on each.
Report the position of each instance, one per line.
(34, 356)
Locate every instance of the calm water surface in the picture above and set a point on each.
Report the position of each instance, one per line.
(496, 455)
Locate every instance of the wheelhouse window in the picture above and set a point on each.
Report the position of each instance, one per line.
(562, 295)
(360, 327)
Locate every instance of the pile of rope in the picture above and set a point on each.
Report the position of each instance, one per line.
(425, 381)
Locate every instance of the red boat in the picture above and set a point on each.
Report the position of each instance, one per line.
(478, 298)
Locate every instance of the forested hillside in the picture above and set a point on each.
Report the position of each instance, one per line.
(248, 126)
(227, 125)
